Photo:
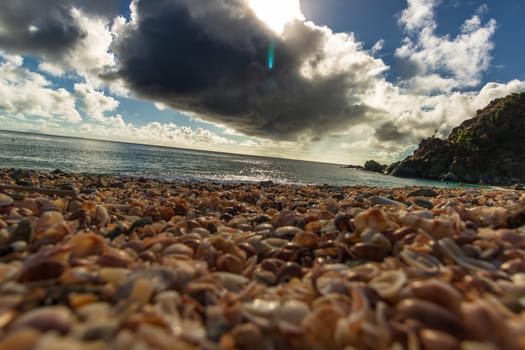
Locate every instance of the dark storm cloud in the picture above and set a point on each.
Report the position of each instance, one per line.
(28, 26)
(389, 132)
(210, 58)
(102, 8)
(46, 27)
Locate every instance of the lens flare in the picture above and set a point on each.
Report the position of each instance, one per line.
(271, 56)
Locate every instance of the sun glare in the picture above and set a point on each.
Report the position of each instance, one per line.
(276, 13)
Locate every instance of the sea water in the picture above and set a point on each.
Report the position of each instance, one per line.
(47, 153)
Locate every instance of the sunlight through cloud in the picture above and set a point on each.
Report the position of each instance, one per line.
(277, 13)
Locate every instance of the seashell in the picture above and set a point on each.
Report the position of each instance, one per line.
(114, 258)
(48, 220)
(293, 311)
(216, 323)
(475, 345)
(452, 251)
(305, 239)
(230, 263)
(287, 231)
(141, 291)
(375, 200)
(430, 315)
(23, 339)
(422, 203)
(343, 223)
(285, 218)
(103, 329)
(101, 216)
(77, 275)
(86, 244)
(288, 271)
(348, 329)
(54, 234)
(436, 340)
(25, 231)
(113, 274)
(166, 213)
(204, 293)
(248, 249)
(231, 281)
(45, 319)
(388, 284)
(47, 264)
(373, 219)
(264, 276)
(421, 261)
(6, 200)
(178, 248)
(77, 300)
(437, 228)
(363, 272)
(319, 327)
(483, 322)
(438, 292)
(276, 242)
(370, 251)
(247, 336)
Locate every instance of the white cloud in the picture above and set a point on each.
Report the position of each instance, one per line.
(95, 103)
(27, 93)
(440, 63)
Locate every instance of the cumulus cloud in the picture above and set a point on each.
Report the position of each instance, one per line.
(95, 103)
(210, 58)
(23, 92)
(433, 63)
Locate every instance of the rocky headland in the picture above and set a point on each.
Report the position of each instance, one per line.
(489, 148)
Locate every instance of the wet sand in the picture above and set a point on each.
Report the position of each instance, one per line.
(95, 262)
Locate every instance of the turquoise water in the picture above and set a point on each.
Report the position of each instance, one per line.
(46, 153)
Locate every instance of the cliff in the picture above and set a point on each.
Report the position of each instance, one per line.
(489, 148)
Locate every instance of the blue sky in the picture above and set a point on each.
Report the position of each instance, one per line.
(353, 80)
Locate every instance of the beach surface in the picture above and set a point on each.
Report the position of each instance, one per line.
(97, 262)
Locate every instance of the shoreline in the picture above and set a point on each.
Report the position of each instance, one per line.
(106, 262)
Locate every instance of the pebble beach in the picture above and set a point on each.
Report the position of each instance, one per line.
(97, 262)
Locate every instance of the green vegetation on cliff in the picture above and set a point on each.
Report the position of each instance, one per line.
(488, 148)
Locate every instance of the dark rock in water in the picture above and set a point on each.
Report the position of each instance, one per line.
(58, 172)
(372, 165)
(358, 167)
(489, 148)
(424, 192)
(449, 177)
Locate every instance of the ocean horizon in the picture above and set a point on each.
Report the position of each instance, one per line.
(43, 152)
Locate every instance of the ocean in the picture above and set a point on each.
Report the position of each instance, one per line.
(47, 153)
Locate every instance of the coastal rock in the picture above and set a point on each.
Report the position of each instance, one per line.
(450, 176)
(489, 148)
(372, 165)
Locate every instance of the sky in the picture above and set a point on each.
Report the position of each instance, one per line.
(339, 81)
